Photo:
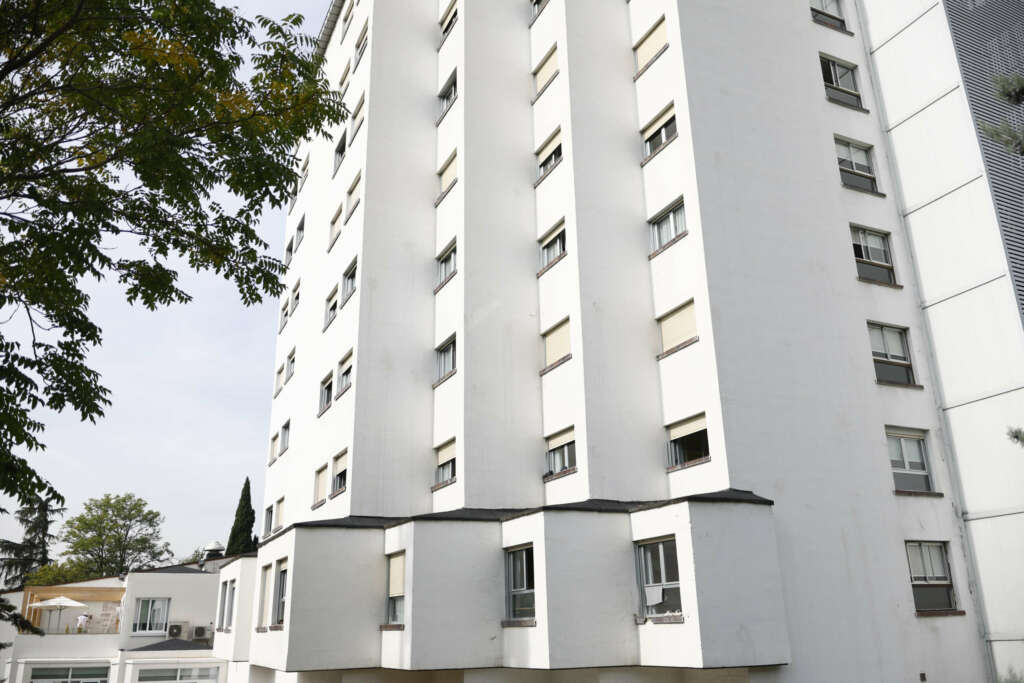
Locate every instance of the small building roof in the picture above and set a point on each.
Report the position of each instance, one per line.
(172, 644)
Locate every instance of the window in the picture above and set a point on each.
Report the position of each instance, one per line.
(300, 232)
(659, 132)
(909, 460)
(222, 604)
(286, 436)
(339, 151)
(659, 578)
(688, 442)
(320, 485)
(229, 616)
(446, 265)
(347, 19)
(361, 44)
(344, 373)
(326, 392)
(449, 94)
(289, 366)
(339, 480)
(556, 344)
(545, 71)
(549, 154)
(445, 359)
(891, 354)
(279, 513)
(828, 13)
(871, 252)
(840, 82)
(266, 594)
(536, 6)
(650, 46)
(284, 315)
(396, 589)
(331, 307)
(352, 196)
(289, 251)
(561, 455)
(855, 166)
(273, 446)
(151, 615)
(348, 282)
(445, 463)
(280, 590)
(187, 674)
(77, 674)
(929, 576)
(295, 298)
(449, 20)
(668, 227)
(268, 520)
(448, 174)
(678, 328)
(519, 583)
(343, 82)
(278, 380)
(357, 114)
(304, 173)
(552, 246)
(335, 229)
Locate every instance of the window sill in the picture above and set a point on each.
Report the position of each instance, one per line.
(558, 475)
(441, 484)
(330, 245)
(873, 193)
(325, 409)
(341, 304)
(518, 623)
(271, 463)
(834, 28)
(342, 392)
(678, 347)
(281, 328)
(941, 613)
(337, 492)
(551, 263)
(445, 281)
(352, 137)
(147, 634)
(261, 629)
(658, 151)
(444, 36)
(351, 210)
(651, 61)
(688, 465)
(898, 384)
(445, 112)
(561, 361)
(548, 172)
(854, 107)
(392, 627)
(536, 16)
(318, 504)
(543, 88)
(226, 629)
(444, 193)
(444, 378)
(278, 390)
(276, 627)
(869, 281)
(920, 494)
(328, 323)
(668, 244)
(666, 619)
(275, 529)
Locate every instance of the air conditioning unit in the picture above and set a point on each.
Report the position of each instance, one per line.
(201, 633)
(178, 629)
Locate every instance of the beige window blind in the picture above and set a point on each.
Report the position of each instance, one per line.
(320, 492)
(448, 173)
(690, 425)
(396, 575)
(556, 343)
(648, 47)
(268, 595)
(659, 122)
(446, 452)
(678, 326)
(546, 71)
(279, 513)
(353, 191)
(549, 147)
(561, 438)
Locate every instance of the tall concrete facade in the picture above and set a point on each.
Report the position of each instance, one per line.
(659, 340)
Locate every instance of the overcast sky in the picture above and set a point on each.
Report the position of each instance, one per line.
(191, 389)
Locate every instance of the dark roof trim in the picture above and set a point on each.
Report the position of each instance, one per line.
(327, 28)
(233, 558)
(172, 644)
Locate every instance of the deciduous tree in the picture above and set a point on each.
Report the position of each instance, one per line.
(115, 535)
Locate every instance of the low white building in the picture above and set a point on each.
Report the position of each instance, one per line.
(148, 626)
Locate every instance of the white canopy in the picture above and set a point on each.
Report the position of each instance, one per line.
(59, 602)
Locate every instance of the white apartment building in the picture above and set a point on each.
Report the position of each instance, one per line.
(589, 384)
(147, 626)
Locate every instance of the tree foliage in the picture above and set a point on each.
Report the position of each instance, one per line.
(118, 119)
(1010, 89)
(241, 539)
(115, 535)
(57, 573)
(19, 559)
(9, 615)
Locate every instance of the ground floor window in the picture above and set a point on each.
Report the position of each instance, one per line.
(65, 674)
(200, 673)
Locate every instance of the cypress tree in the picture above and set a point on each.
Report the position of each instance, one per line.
(241, 539)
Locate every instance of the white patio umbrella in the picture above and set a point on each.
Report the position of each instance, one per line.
(59, 603)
